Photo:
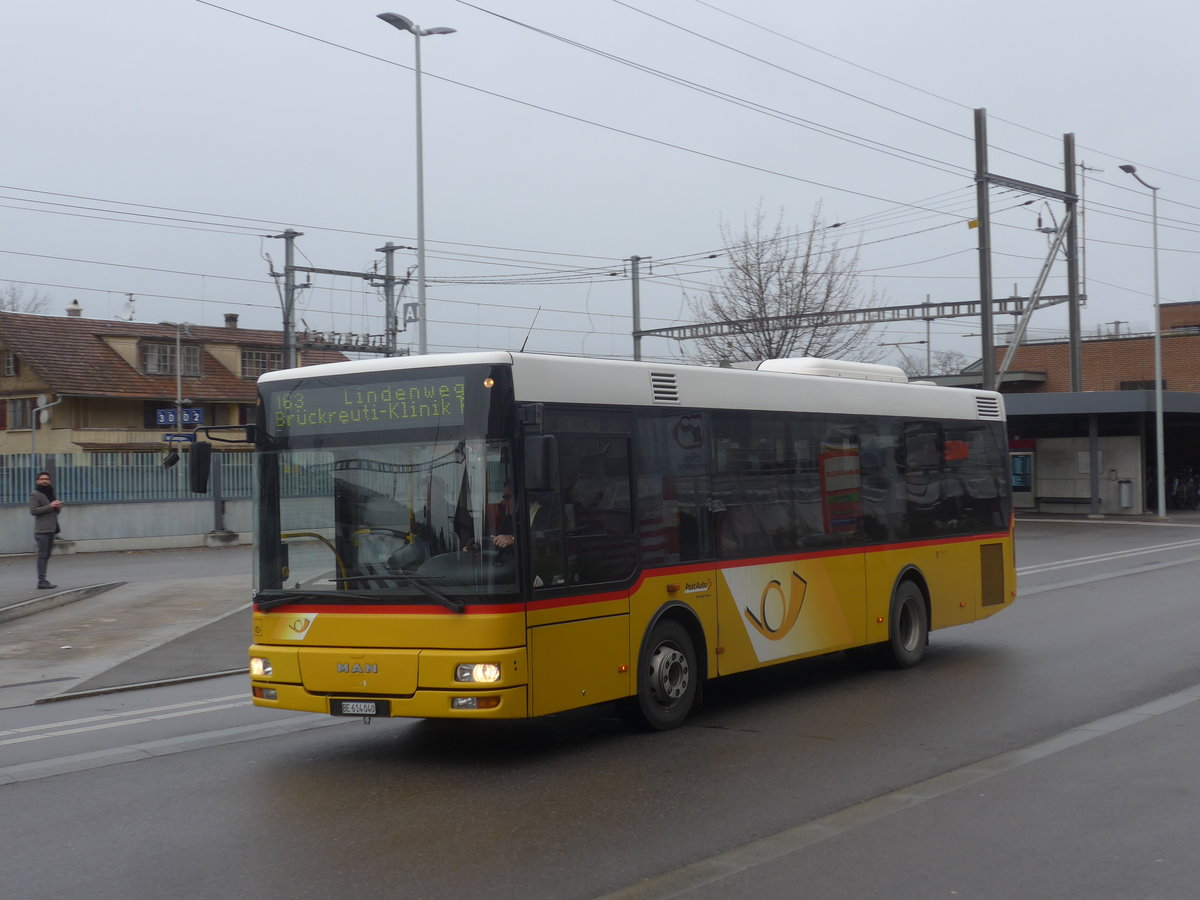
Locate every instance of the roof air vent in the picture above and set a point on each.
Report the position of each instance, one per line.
(664, 387)
(988, 407)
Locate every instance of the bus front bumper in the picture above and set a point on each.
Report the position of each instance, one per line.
(502, 703)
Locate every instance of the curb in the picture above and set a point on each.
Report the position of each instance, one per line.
(121, 688)
(50, 601)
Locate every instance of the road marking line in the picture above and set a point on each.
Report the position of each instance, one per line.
(1116, 554)
(136, 720)
(63, 765)
(120, 715)
(1107, 576)
(684, 880)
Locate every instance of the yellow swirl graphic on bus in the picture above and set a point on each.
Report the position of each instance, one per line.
(774, 623)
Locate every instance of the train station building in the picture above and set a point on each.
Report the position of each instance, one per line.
(1095, 451)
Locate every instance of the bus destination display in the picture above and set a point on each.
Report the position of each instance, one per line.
(373, 407)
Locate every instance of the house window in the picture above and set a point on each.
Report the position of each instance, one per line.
(10, 364)
(20, 414)
(256, 362)
(159, 359)
(1140, 385)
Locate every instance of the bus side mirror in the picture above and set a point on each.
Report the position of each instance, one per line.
(541, 463)
(199, 466)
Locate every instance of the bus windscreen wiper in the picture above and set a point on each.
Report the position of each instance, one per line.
(417, 582)
(276, 598)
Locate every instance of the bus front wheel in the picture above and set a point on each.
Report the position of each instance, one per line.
(908, 627)
(666, 679)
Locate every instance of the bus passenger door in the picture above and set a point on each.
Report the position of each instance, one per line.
(583, 554)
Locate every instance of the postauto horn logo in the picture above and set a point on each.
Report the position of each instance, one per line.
(777, 610)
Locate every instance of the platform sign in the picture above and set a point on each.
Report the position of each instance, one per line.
(190, 416)
(173, 438)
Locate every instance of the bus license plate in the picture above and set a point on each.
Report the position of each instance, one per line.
(358, 707)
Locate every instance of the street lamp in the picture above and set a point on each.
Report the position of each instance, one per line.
(1160, 467)
(405, 24)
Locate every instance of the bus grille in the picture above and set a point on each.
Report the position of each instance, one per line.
(664, 387)
(987, 407)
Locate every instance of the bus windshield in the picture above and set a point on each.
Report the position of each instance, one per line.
(409, 522)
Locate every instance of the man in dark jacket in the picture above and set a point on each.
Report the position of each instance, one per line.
(44, 507)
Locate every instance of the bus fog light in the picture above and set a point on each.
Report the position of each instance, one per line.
(260, 666)
(478, 673)
(263, 693)
(474, 702)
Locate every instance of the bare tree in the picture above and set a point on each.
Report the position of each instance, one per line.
(941, 362)
(775, 272)
(13, 299)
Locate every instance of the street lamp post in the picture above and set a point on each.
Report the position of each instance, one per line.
(1160, 461)
(405, 24)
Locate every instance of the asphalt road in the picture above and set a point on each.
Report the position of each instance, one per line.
(998, 768)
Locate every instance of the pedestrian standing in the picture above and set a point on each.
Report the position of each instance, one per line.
(44, 507)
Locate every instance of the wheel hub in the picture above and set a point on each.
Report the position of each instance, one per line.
(669, 674)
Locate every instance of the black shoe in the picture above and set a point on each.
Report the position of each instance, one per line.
(45, 584)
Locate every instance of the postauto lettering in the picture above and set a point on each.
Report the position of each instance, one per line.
(410, 405)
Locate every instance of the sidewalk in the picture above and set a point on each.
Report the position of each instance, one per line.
(121, 619)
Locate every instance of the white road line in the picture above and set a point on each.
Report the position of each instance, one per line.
(1107, 576)
(123, 714)
(1101, 557)
(80, 762)
(682, 881)
(133, 720)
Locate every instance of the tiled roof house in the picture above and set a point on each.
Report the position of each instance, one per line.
(113, 383)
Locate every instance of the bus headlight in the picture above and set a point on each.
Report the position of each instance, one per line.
(260, 667)
(477, 673)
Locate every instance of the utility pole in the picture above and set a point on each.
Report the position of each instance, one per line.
(637, 306)
(982, 184)
(983, 181)
(289, 296)
(928, 343)
(1084, 168)
(1072, 248)
(391, 299)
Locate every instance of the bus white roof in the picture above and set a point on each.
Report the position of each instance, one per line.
(815, 385)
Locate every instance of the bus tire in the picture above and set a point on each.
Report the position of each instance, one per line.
(908, 627)
(667, 679)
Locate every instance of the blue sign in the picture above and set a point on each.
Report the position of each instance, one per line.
(190, 416)
(174, 438)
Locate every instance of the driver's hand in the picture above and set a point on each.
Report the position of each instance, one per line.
(503, 541)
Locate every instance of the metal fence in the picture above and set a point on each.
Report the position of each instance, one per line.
(115, 477)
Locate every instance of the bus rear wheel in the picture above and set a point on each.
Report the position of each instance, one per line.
(908, 627)
(666, 679)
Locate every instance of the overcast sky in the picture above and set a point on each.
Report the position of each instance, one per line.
(151, 144)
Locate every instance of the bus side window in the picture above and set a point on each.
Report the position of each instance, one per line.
(672, 488)
(599, 539)
(753, 512)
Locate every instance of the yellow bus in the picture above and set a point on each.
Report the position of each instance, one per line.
(506, 535)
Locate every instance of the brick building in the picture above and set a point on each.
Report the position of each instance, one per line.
(1095, 451)
(1117, 362)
